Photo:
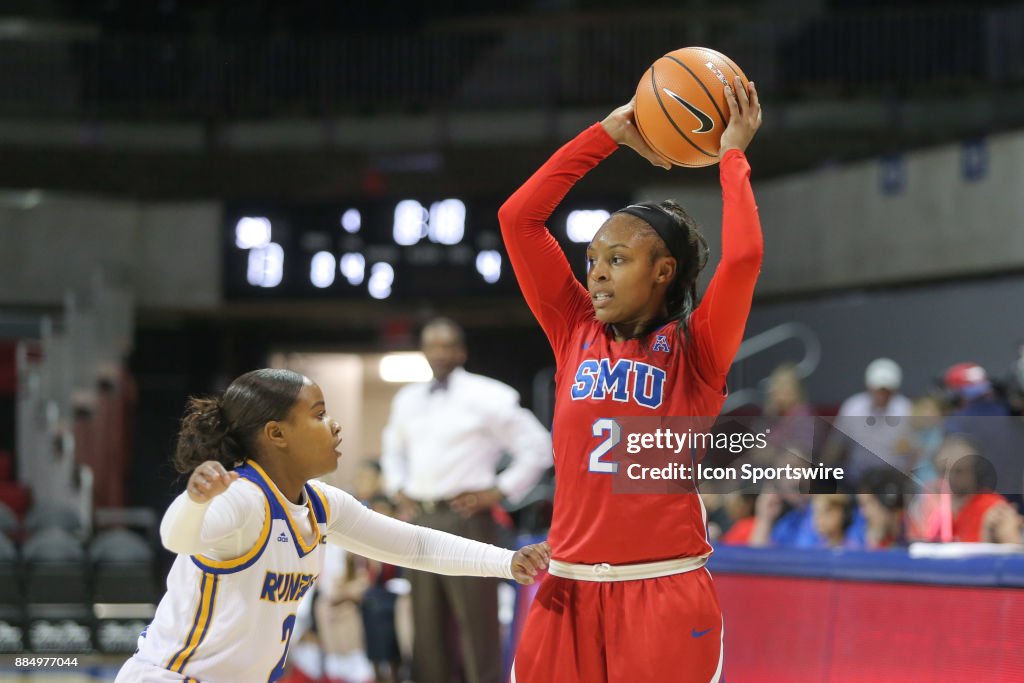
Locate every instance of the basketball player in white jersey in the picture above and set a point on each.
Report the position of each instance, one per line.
(250, 528)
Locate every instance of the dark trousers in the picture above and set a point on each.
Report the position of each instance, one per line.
(468, 602)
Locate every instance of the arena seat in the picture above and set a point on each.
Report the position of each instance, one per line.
(9, 525)
(56, 570)
(122, 568)
(45, 516)
(10, 584)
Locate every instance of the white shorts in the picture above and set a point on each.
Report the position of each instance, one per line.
(137, 671)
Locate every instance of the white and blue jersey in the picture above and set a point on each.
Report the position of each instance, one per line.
(232, 620)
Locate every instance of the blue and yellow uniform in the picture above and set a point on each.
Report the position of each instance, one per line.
(215, 615)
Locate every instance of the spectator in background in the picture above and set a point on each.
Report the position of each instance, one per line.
(865, 433)
(783, 514)
(383, 608)
(920, 441)
(881, 503)
(983, 418)
(961, 506)
(740, 507)
(833, 516)
(792, 425)
(788, 422)
(971, 394)
(368, 481)
(441, 449)
(1015, 382)
(978, 514)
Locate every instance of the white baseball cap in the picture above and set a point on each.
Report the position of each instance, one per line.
(883, 373)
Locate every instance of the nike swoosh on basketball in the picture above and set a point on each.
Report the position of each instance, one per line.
(697, 634)
(706, 122)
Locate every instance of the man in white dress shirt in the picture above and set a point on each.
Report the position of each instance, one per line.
(440, 454)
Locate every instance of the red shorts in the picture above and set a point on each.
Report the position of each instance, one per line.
(660, 630)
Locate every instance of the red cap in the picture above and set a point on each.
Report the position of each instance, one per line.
(967, 377)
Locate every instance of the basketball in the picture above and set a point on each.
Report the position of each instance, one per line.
(680, 108)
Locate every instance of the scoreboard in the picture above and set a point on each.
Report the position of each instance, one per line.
(401, 249)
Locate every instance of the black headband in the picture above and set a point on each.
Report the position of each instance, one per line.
(663, 223)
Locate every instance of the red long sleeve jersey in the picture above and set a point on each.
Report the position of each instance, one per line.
(599, 378)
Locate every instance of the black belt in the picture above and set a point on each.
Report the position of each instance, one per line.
(432, 506)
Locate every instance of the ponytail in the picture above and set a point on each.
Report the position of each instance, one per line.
(681, 295)
(226, 429)
(205, 435)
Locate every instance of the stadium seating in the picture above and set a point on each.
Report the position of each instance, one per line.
(122, 568)
(42, 517)
(55, 569)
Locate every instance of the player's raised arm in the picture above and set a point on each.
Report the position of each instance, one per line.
(551, 290)
(721, 318)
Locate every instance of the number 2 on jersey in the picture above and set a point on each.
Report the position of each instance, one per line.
(286, 635)
(605, 424)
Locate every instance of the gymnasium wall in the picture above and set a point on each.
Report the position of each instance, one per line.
(925, 329)
(944, 212)
(51, 243)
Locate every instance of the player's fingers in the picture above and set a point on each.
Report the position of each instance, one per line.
(534, 559)
(730, 99)
(524, 579)
(543, 554)
(741, 95)
(647, 153)
(755, 102)
(216, 472)
(213, 467)
(526, 561)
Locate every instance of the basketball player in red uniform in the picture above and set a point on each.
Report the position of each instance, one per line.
(628, 599)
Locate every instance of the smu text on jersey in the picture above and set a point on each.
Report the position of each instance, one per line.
(626, 380)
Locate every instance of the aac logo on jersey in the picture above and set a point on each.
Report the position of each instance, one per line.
(623, 381)
(661, 343)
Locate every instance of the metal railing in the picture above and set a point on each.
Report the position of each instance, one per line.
(488, 68)
(743, 393)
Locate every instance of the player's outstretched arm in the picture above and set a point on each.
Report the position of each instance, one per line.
(378, 537)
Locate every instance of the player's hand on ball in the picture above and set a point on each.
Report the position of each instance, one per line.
(208, 480)
(529, 560)
(744, 116)
(621, 126)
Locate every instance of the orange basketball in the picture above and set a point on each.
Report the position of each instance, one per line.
(681, 110)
